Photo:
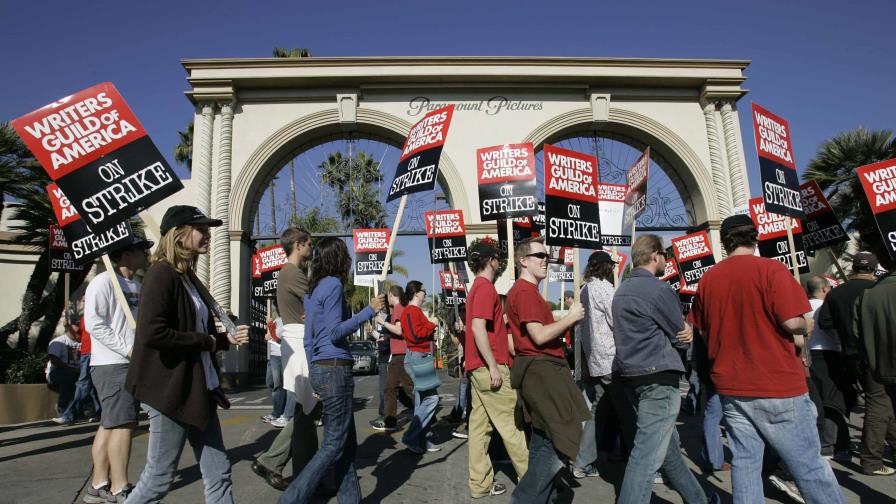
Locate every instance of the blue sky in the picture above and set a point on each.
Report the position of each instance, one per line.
(826, 67)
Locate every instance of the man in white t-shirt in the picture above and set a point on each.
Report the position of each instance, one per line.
(111, 340)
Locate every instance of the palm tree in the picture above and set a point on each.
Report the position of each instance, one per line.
(292, 186)
(834, 166)
(295, 52)
(16, 163)
(355, 180)
(273, 208)
(183, 151)
(314, 222)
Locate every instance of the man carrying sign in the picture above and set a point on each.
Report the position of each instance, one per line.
(750, 311)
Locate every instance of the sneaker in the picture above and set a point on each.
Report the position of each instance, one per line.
(63, 421)
(788, 487)
(94, 419)
(380, 425)
(122, 494)
(319, 423)
(883, 471)
(414, 449)
(279, 422)
(658, 478)
(497, 489)
(433, 447)
(461, 432)
(268, 418)
(584, 472)
(97, 495)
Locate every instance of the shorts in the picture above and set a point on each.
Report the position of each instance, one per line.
(119, 406)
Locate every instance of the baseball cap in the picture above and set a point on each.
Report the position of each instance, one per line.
(483, 249)
(864, 261)
(736, 221)
(599, 257)
(178, 215)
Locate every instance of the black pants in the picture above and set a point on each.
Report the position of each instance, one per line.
(880, 422)
(304, 438)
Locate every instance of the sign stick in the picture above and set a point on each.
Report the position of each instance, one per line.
(837, 264)
(510, 250)
(576, 281)
(68, 286)
(119, 294)
(401, 203)
(788, 223)
(269, 308)
(615, 269)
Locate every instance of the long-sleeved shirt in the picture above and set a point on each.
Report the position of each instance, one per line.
(328, 321)
(597, 328)
(104, 319)
(416, 329)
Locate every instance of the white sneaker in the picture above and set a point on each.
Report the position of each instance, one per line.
(788, 487)
(279, 422)
(268, 418)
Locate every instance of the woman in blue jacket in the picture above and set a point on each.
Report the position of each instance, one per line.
(328, 323)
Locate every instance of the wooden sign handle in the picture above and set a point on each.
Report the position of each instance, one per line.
(615, 269)
(788, 223)
(576, 281)
(67, 278)
(394, 234)
(837, 264)
(119, 294)
(511, 261)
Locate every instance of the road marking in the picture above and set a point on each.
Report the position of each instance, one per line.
(256, 407)
(236, 399)
(256, 401)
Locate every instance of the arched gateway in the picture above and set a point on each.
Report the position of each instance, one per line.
(254, 114)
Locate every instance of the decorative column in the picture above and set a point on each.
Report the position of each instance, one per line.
(739, 193)
(719, 176)
(202, 172)
(220, 281)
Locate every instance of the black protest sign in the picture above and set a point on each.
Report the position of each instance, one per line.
(777, 168)
(61, 257)
(419, 161)
(571, 208)
(822, 227)
(522, 228)
(693, 255)
(446, 235)
(772, 236)
(879, 183)
(636, 192)
(93, 147)
(538, 220)
(454, 291)
(84, 245)
(266, 265)
(506, 175)
(611, 198)
(562, 272)
(371, 246)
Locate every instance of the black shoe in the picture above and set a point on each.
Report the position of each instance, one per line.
(260, 470)
(277, 481)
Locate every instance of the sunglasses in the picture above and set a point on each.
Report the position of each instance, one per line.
(538, 255)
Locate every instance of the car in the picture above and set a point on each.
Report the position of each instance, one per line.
(364, 353)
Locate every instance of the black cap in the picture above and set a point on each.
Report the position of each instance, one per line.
(137, 242)
(864, 261)
(599, 257)
(483, 249)
(179, 215)
(736, 221)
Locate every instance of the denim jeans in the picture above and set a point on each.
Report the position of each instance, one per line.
(166, 442)
(335, 386)
(601, 411)
(786, 424)
(692, 400)
(383, 370)
(657, 445)
(464, 398)
(62, 381)
(713, 453)
(274, 381)
(425, 403)
(537, 485)
(83, 390)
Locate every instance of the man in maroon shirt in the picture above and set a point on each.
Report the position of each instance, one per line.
(750, 311)
(488, 363)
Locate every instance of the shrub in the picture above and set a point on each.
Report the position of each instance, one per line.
(18, 366)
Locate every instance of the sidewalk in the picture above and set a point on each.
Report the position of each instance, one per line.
(43, 462)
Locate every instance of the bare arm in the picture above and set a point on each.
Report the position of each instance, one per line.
(542, 334)
(480, 336)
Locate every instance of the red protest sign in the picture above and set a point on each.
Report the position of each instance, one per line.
(371, 240)
(271, 258)
(420, 154)
(506, 176)
(61, 257)
(570, 174)
(446, 236)
(78, 129)
(62, 207)
(429, 132)
(571, 208)
(772, 137)
(772, 236)
(693, 254)
(777, 169)
(611, 198)
(879, 183)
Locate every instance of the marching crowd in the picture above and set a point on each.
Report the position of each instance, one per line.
(780, 368)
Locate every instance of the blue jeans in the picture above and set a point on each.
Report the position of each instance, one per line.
(594, 427)
(713, 452)
(83, 390)
(335, 386)
(166, 442)
(464, 398)
(537, 485)
(692, 401)
(425, 403)
(657, 445)
(274, 381)
(787, 425)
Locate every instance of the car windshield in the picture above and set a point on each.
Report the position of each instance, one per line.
(361, 346)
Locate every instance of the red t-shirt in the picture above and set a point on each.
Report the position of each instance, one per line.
(85, 339)
(397, 345)
(417, 330)
(739, 305)
(525, 304)
(483, 303)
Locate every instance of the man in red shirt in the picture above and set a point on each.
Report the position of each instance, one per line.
(488, 363)
(552, 402)
(750, 311)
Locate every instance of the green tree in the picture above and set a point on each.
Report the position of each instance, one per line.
(16, 165)
(183, 151)
(314, 221)
(356, 182)
(295, 52)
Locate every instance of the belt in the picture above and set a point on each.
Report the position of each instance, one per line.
(334, 362)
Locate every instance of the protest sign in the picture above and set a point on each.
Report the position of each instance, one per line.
(419, 161)
(572, 214)
(454, 291)
(563, 272)
(611, 198)
(85, 246)
(506, 175)
(522, 228)
(777, 168)
(91, 144)
(620, 259)
(693, 255)
(266, 264)
(879, 183)
(821, 228)
(773, 242)
(538, 220)
(446, 235)
(371, 246)
(671, 274)
(61, 257)
(636, 191)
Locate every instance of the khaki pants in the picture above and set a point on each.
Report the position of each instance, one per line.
(493, 410)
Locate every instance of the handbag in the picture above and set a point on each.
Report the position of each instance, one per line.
(424, 373)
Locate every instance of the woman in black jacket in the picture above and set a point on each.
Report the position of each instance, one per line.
(173, 370)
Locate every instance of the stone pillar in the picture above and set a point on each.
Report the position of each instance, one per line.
(220, 246)
(739, 193)
(720, 178)
(202, 172)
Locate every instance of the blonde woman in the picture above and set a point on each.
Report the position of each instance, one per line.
(173, 372)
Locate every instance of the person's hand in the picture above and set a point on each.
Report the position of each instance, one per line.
(810, 324)
(379, 320)
(267, 336)
(214, 343)
(130, 352)
(576, 312)
(496, 379)
(378, 302)
(686, 335)
(241, 337)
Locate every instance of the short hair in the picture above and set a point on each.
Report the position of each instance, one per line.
(568, 294)
(290, 236)
(644, 246)
(525, 246)
(815, 283)
(742, 236)
(601, 271)
(480, 262)
(397, 291)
